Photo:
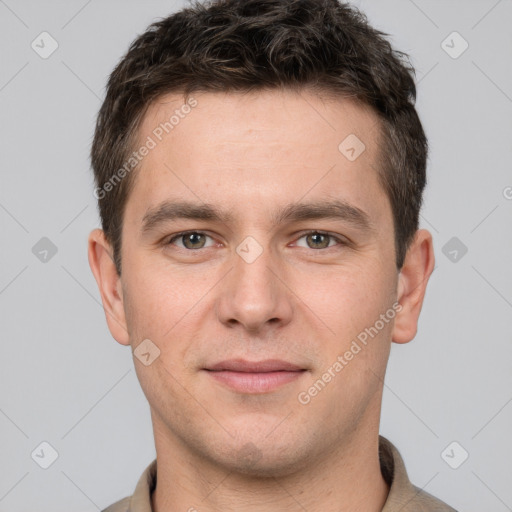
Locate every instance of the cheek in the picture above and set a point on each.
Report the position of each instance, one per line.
(169, 307)
(159, 296)
(353, 359)
(352, 298)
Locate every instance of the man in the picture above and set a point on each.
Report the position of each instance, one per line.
(259, 169)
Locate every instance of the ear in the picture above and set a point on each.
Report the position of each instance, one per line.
(412, 284)
(109, 284)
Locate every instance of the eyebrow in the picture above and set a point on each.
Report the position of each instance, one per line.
(295, 212)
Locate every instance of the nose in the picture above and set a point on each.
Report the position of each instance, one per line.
(254, 294)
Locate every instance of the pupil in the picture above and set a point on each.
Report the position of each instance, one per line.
(317, 239)
(193, 239)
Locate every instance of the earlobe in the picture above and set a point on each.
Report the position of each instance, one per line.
(412, 285)
(109, 284)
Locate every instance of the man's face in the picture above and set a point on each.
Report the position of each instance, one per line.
(257, 284)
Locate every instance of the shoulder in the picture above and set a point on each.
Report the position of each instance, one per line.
(119, 506)
(403, 495)
(425, 502)
(140, 500)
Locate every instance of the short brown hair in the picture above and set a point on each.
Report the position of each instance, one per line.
(251, 45)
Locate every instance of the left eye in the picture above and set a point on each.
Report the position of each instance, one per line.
(191, 240)
(319, 240)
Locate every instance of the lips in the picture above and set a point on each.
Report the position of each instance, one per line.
(241, 365)
(254, 377)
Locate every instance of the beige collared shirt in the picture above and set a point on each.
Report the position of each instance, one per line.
(402, 497)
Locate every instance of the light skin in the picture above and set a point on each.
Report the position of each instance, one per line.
(303, 300)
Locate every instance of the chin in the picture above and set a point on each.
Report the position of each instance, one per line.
(262, 460)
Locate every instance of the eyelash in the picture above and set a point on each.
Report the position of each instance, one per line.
(306, 233)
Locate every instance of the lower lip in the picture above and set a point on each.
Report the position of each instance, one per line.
(263, 382)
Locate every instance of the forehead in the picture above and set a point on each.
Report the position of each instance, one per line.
(233, 116)
(267, 146)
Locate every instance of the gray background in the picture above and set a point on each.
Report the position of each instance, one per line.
(65, 381)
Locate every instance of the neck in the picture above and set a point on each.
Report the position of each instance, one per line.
(344, 479)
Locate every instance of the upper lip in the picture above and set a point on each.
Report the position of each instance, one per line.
(268, 365)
